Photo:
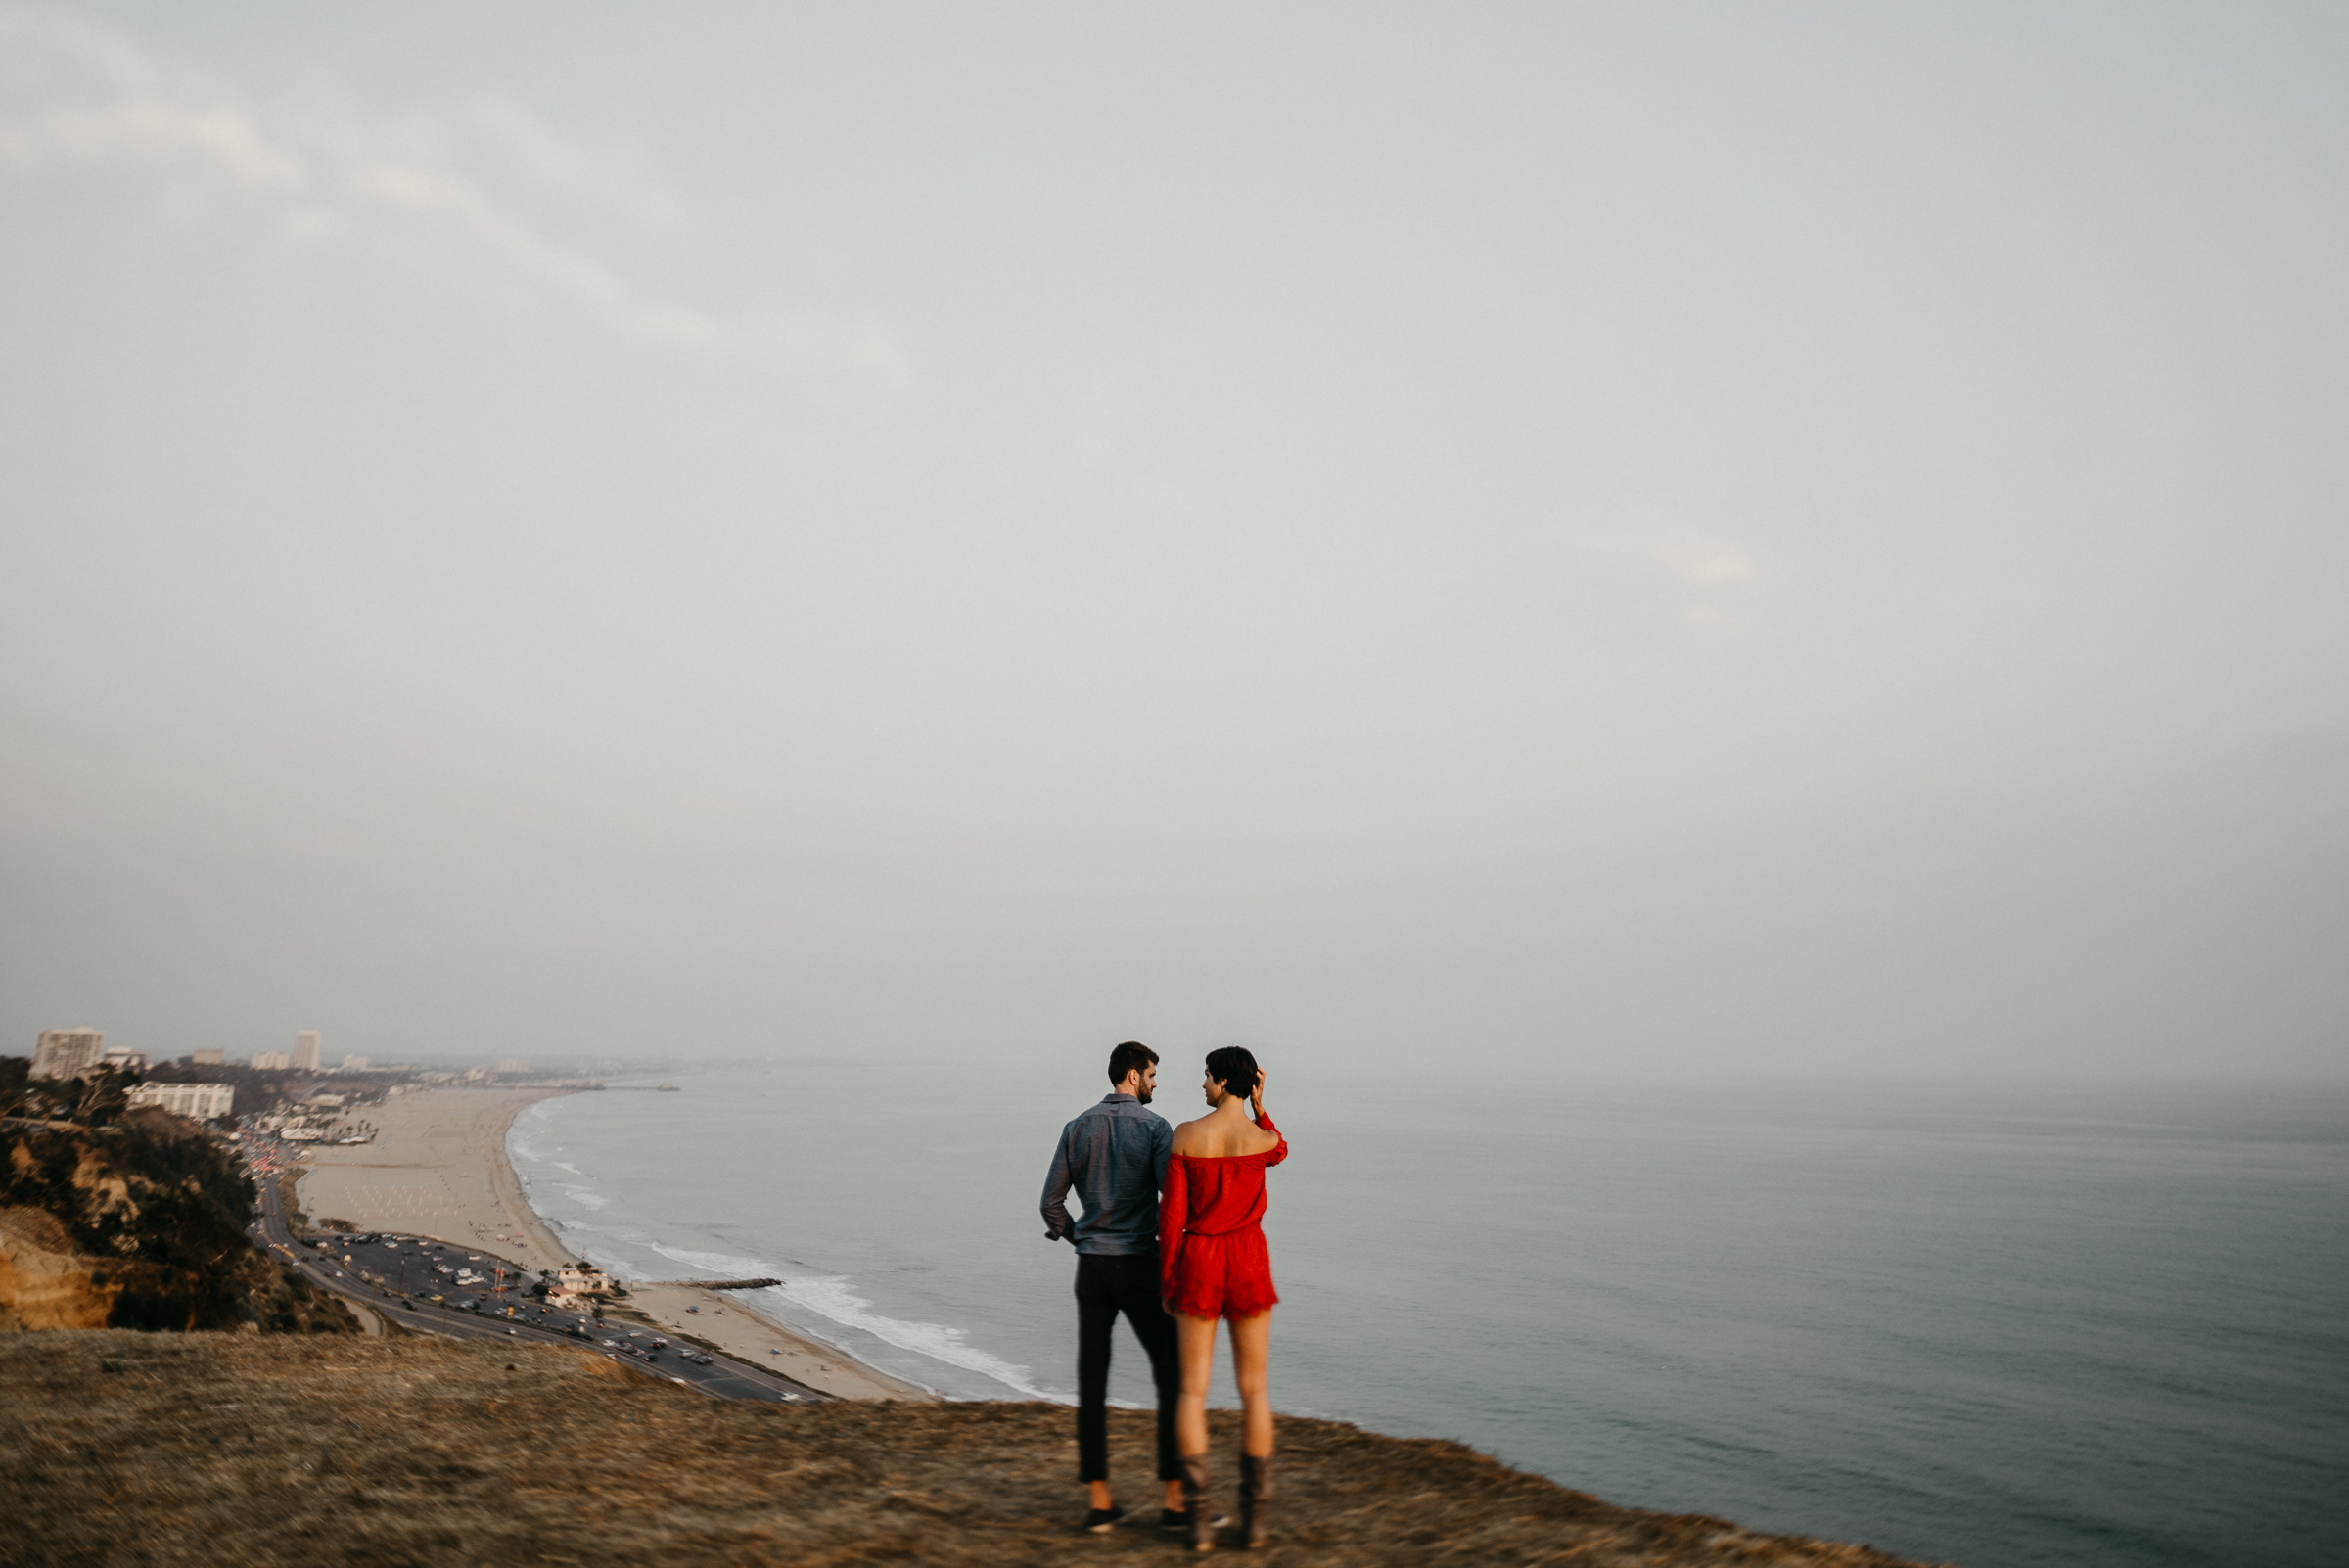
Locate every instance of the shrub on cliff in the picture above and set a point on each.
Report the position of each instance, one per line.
(159, 1207)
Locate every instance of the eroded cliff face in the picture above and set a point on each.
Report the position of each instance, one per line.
(44, 1283)
(139, 1225)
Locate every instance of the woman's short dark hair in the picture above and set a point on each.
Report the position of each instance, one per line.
(1234, 1067)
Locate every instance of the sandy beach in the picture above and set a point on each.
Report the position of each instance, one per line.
(763, 1342)
(437, 1167)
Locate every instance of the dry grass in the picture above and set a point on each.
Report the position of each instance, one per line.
(185, 1449)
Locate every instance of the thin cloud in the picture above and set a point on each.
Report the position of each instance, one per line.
(614, 173)
(1708, 572)
(412, 198)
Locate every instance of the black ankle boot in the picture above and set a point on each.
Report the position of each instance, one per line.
(1256, 1490)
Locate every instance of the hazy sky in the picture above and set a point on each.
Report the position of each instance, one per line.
(1616, 537)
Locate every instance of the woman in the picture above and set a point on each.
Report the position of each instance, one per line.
(1213, 1265)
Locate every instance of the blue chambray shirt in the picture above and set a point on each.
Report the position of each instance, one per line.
(1115, 1155)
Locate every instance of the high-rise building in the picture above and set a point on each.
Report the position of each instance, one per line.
(205, 1058)
(272, 1059)
(306, 1050)
(355, 1064)
(64, 1053)
(513, 1065)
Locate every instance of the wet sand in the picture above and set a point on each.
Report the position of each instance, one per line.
(737, 1330)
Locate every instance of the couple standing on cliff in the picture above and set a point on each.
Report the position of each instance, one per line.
(1170, 1236)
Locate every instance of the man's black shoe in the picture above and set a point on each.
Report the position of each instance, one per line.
(1099, 1520)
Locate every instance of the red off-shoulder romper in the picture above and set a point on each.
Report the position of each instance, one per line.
(1210, 1238)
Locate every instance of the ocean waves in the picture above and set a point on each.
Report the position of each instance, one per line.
(833, 1298)
(614, 1227)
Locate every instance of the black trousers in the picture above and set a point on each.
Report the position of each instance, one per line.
(1106, 1287)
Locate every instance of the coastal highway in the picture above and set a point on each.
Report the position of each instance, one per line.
(722, 1378)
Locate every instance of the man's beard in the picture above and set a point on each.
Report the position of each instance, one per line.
(1142, 1094)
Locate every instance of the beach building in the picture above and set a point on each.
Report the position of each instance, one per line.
(202, 1102)
(306, 1050)
(205, 1058)
(64, 1053)
(575, 1286)
(513, 1065)
(355, 1064)
(277, 1059)
(123, 1059)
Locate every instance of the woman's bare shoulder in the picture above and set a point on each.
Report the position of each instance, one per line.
(1212, 1137)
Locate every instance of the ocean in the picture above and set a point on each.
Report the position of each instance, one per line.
(1999, 1326)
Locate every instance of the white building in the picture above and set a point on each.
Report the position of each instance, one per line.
(123, 1059)
(271, 1059)
(306, 1050)
(64, 1053)
(575, 1286)
(513, 1065)
(201, 1102)
(355, 1064)
(205, 1058)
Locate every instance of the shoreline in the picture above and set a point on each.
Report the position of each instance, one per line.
(751, 1336)
(439, 1168)
(738, 1329)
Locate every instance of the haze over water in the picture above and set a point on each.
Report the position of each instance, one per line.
(1995, 1325)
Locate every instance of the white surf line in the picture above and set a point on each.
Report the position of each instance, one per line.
(832, 1298)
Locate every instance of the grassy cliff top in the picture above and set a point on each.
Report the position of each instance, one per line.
(168, 1449)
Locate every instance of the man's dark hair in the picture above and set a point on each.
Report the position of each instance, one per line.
(1127, 1057)
(1234, 1067)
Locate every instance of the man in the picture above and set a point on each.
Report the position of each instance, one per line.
(1115, 1155)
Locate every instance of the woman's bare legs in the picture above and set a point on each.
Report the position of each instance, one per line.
(1251, 1347)
(1195, 1337)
